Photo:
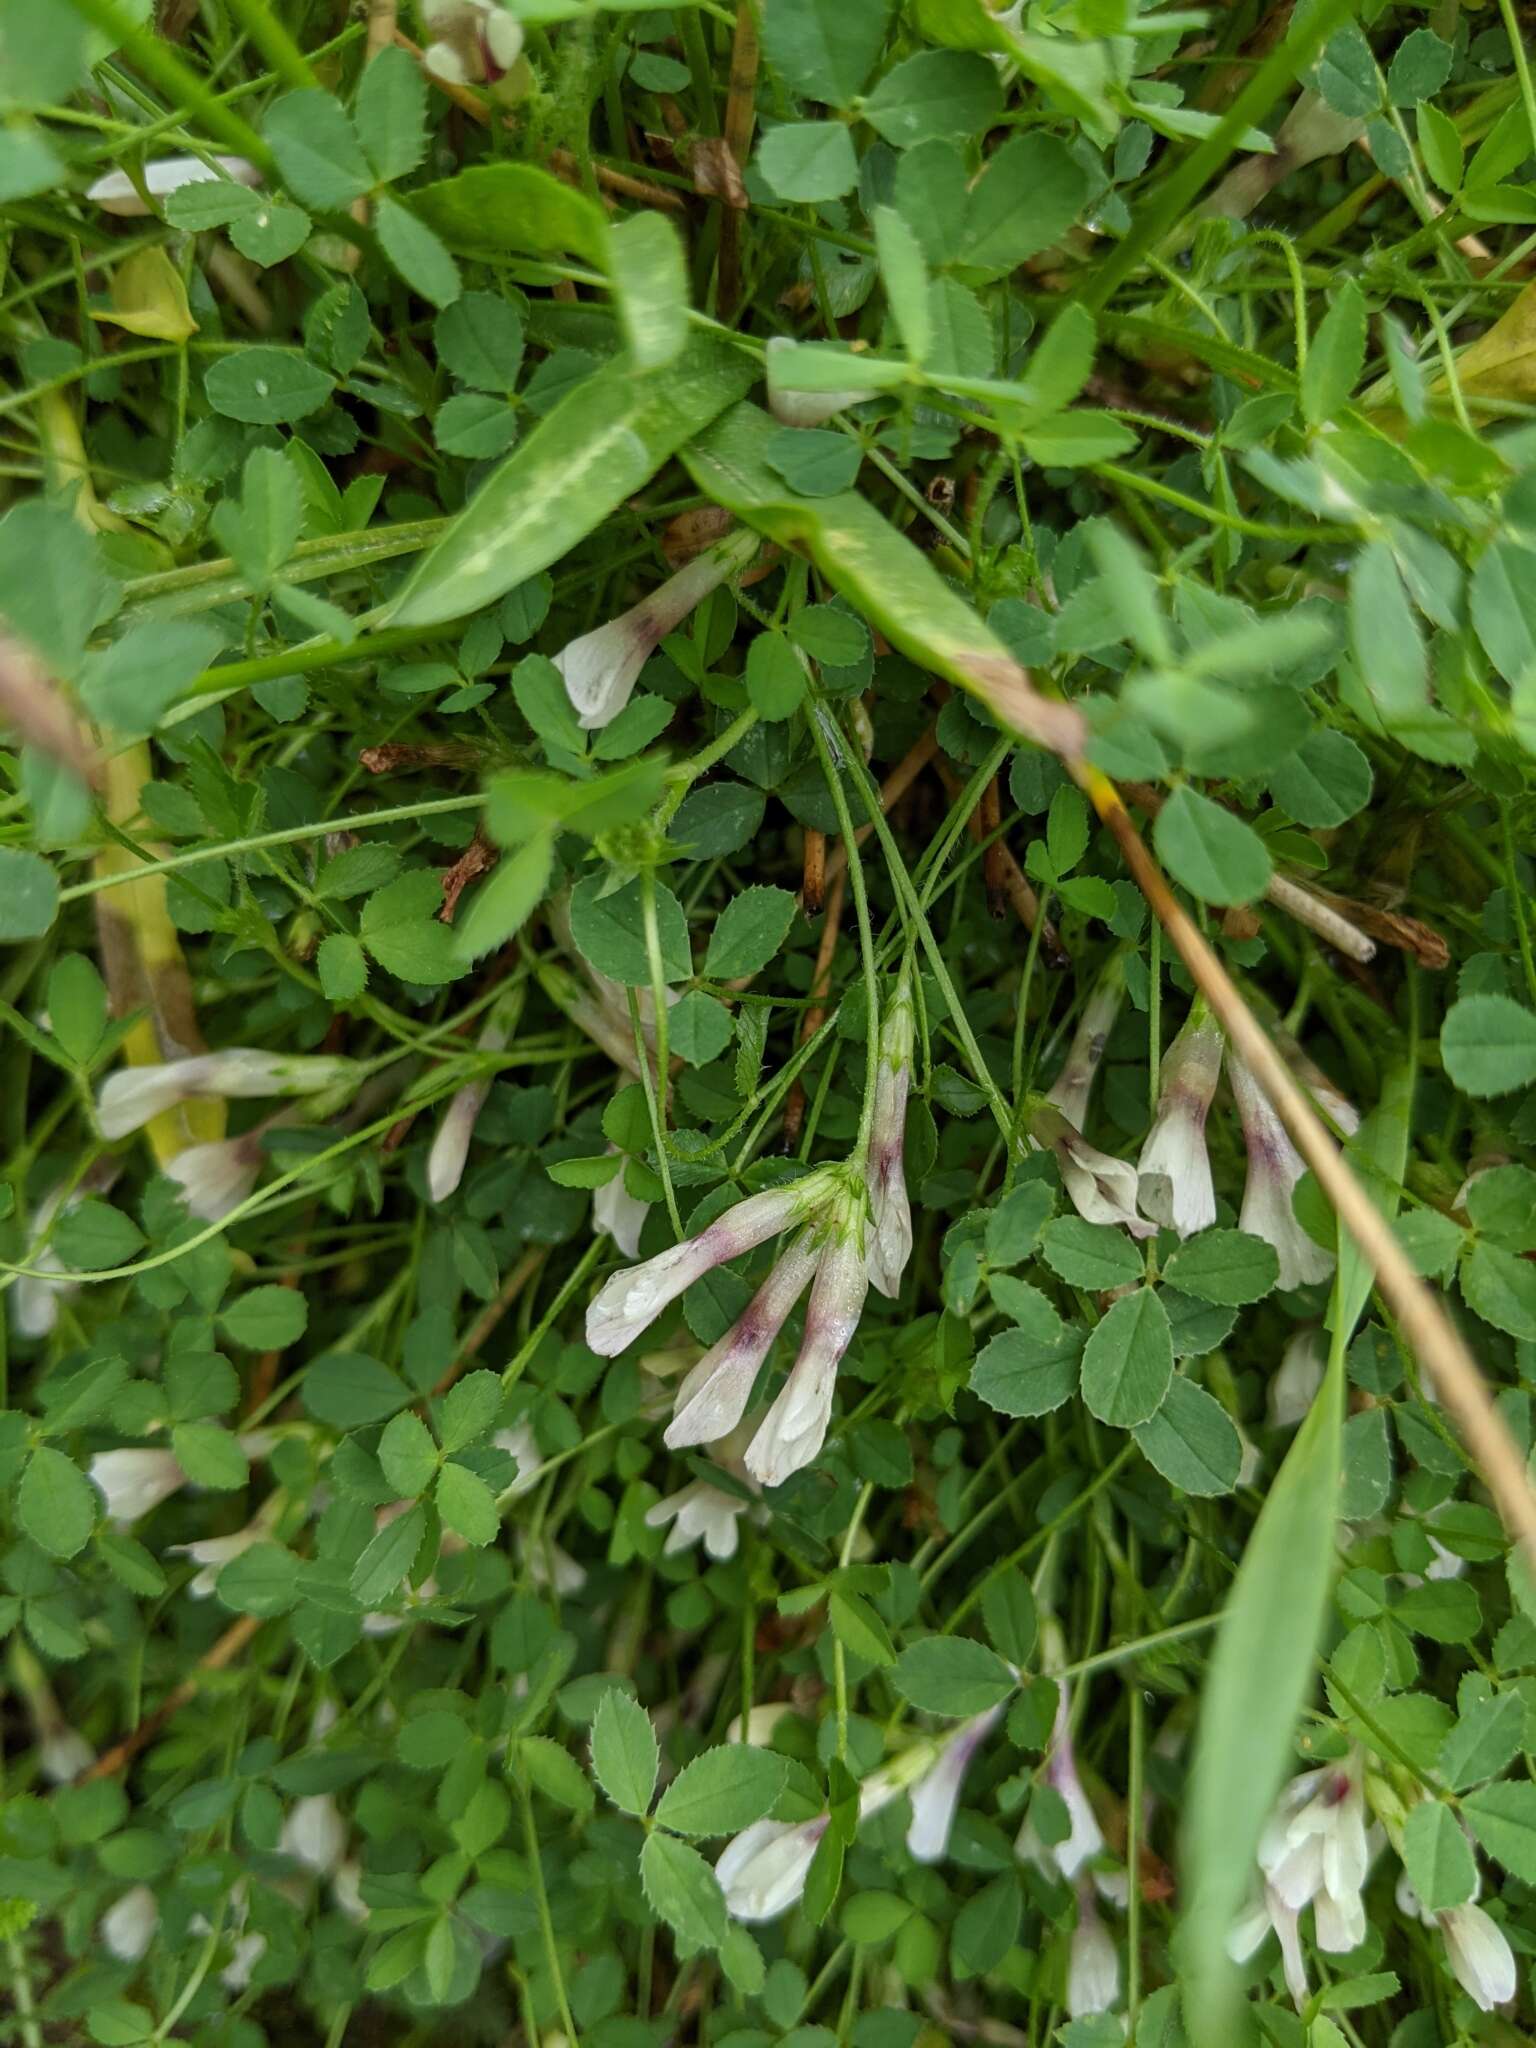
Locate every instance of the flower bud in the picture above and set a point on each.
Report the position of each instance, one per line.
(1294, 1387)
(1093, 1962)
(1274, 1167)
(1072, 1086)
(601, 668)
(128, 1927)
(1174, 1170)
(117, 192)
(890, 1236)
(315, 1834)
(450, 1147)
(134, 1095)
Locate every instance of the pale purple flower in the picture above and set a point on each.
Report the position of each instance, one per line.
(1294, 1387)
(713, 1398)
(1175, 1169)
(1093, 1961)
(1274, 1168)
(117, 193)
(618, 1214)
(890, 1239)
(216, 1177)
(1102, 1189)
(133, 1095)
(1074, 1084)
(936, 1795)
(1085, 1838)
(450, 1147)
(795, 1427)
(627, 1304)
(602, 667)
(699, 1513)
(134, 1481)
(793, 408)
(474, 42)
(128, 1925)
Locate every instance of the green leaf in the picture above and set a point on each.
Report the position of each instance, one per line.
(1335, 358)
(492, 210)
(951, 1675)
(751, 929)
(1441, 147)
(342, 967)
(1438, 1857)
(1420, 66)
(265, 387)
(1485, 1741)
(407, 1455)
(390, 113)
(859, 1629)
(351, 1391)
(597, 447)
(1326, 781)
(650, 278)
(1503, 1818)
(1504, 608)
(400, 930)
(1128, 1361)
(1500, 1286)
(1014, 1226)
(609, 932)
(625, 1758)
(1009, 1611)
(905, 277)
(805, 162)
(53, 592)
(266, 1318)
(1488, 1044)
(317, 151)
(416, 252)
(722, 1791)
(825, 49)
(29, 895)
(1029, 194)
(680, 1887)
(1256, 1684)
(469, 1409)
(504, 904)
(93, 1236)
(1216, 856)
(775, 676)
(815, 462)
(132, 683)
(199, 1383)
(1016, 1376)
(56, 1504)
(1224, 1266)
(937, 92)
(1384, 635)
(1090, 1255)
(480, 341)
(467, 1505)
(210, 1456)
(701, 1028)
(1192, 1441)
(556, 1773)
(388, 1558)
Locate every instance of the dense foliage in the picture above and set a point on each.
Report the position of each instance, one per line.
(679, 1362)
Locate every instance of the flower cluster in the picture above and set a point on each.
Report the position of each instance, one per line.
(476, 42)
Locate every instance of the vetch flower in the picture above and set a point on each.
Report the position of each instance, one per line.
(1174, 1169)
(117, 193)
(1085, 1838)
(618, 1214)
(474, 42)
(212, 1553)
(217, 1177)
(62, 1751)
(800, 408)
(762, 1871)
(936, 1795)
(128, 1926)
(1315, 1851)
(315, 1834)
(1093, 1962)
(34, 1300)
(1074, 1084)
(890, 1239)
(133, 1095)
(1102, 1189)
(1294, 1387)
(601, 668)
(450, 1147)
(627, 1304)
(1270, 1911)
(795, 1428)
(1476, 1947)
(520, 1443)
(134, 1481)
(1274, 1168)
(699, 1513)
(713, 1398)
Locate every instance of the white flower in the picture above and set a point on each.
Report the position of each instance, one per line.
(699, 1513)
(134, 1481)
(936, 1795)
(450, 1147)
(760, 1723)
(1271, 1911)
(216, 1177)
(762, 1871)
(713, 1398)
(550, 1568)
(1085, 1838)
(1294, 1387)
(795, 1427)
(474, 42)
(117, 193)
(212, 1553)
(520, 1443)
(602, 667)
(1093, 1962)
(800, 408)
(1073, 1085)
(627, 1304)
(618, 1214)
(890, 1240)
(63, 1753)
(1102, 1189)
(128, 1926)
(1274, 1168)
(35, 1301)
(133, 1095)
(315, 1834)
(347, 1890)
(1175, 1168)
(1315, 1850)
(1476, 1947)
